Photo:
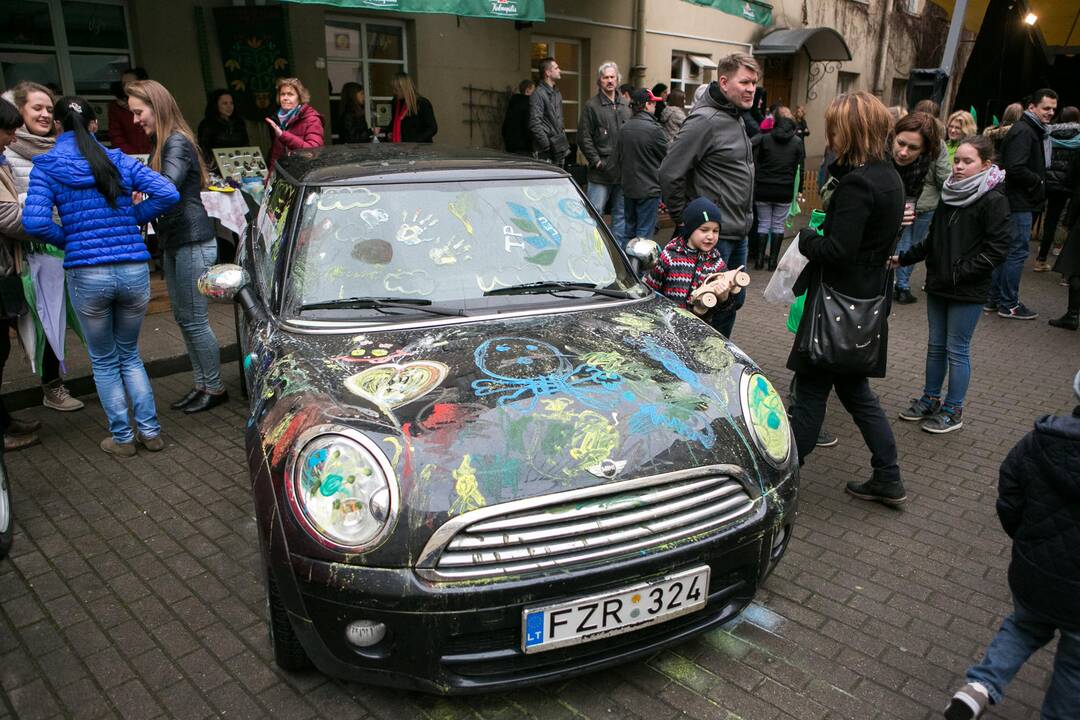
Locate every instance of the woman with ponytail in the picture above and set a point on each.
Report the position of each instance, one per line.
(105, 259)
(186, 236)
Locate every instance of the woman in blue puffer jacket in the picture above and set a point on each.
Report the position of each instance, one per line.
(105, 259)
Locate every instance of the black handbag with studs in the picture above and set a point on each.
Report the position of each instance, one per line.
(845, 332)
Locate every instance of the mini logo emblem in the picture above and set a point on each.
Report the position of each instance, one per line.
(608, 468)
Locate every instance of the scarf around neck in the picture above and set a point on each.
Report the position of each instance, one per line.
(284, 117)
(914, 174)
(961, 193)
(1047, 145)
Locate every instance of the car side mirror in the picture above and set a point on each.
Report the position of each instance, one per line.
(227, 282)
(643, 254)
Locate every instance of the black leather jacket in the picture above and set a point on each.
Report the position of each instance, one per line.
(186, 222)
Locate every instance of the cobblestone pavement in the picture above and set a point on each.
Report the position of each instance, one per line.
(134, 588)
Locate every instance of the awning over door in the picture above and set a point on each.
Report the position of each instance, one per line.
(702, 61)
(755, 11)
(820, 43)
(532, 10)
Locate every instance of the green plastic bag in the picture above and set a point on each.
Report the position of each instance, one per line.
(795, 312)
(794, 316)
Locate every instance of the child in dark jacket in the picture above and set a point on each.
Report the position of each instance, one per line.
(690, 257)
(1039, 507)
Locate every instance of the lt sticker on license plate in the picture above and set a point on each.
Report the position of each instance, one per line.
(616, 612)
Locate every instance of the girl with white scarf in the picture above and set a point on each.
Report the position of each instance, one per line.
(968, 237)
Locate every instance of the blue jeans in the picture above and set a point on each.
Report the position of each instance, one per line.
(640, 220)
(599, 195)
(1020, 635)
(771, 217)
(951, 326)
(913, 235)
(183, 266)
(734, 254)
(1005, 283)
(111, 301)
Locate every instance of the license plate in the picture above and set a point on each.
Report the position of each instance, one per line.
(615, 612)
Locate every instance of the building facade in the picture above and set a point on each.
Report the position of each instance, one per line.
(811, 50)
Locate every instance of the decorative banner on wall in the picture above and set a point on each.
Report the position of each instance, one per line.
(254, 51)
(755, 12)
(532, 10)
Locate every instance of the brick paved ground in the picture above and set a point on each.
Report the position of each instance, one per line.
(134, 589)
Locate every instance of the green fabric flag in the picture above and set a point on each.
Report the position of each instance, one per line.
(997, 123)
(794, 209)
(532, 10)
(974, 114)
(752, 10)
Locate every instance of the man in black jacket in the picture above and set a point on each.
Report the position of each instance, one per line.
(1025, 156)
(1062, 177)
(601, 119)
(640, 149)
(545, 115)
(515, 129)
(1039, 508)
(711, 157)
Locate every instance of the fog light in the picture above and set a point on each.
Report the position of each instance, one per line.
(365, 633)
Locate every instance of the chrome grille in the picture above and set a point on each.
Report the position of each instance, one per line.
(582, 527)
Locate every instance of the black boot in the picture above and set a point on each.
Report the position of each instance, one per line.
(752, 247)
(888, 492)
(1068, 321)
(775, 243)
(761, 249)
(1071, 319)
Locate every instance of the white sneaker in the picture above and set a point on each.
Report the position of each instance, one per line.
(56, 396)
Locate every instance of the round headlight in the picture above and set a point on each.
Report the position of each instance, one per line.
(766, 417)
(342, 489)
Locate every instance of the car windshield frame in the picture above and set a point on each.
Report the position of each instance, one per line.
(308, 214)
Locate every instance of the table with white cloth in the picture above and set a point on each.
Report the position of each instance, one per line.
(229, 208)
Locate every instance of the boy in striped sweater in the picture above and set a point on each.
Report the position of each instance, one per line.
(691, 256)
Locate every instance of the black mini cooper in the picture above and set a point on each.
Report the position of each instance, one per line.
(483, 454)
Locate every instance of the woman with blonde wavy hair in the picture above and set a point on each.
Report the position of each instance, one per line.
(186, 235)
(297, 125)
(849, 256)
(961, 124)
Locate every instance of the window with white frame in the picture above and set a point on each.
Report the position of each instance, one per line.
(689, 70)
(567, 54)
(78, 47)
(846, 82)
(369, 52)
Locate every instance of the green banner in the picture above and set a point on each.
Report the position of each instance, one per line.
(752, 10)
(532, 10)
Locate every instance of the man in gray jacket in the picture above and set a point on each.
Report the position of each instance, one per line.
(545, 115)
(601, 119)
(711, 157)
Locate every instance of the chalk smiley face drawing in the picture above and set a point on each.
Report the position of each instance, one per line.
(528, 369)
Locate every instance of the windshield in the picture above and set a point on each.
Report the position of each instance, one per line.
(448, 244)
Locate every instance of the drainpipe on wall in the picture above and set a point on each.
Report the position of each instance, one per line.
(883, 50)
(637, 70)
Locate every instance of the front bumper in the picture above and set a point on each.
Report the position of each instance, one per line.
(462, 637)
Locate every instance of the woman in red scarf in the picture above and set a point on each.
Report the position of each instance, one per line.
(297, 124)
(413, 119)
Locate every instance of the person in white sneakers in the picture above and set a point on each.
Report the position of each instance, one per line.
(1039, 507)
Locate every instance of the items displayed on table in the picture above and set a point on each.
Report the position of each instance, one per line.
(241, 163)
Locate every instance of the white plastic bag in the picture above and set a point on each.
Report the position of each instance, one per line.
(778, 291)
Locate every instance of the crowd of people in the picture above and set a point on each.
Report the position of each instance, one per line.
(897, 189)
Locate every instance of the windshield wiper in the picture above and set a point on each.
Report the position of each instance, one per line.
(382, 304)
(551, 286)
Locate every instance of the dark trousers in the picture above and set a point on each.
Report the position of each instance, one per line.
(1055, 206)
(50, 364)
(808, 414)
(5, 350)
